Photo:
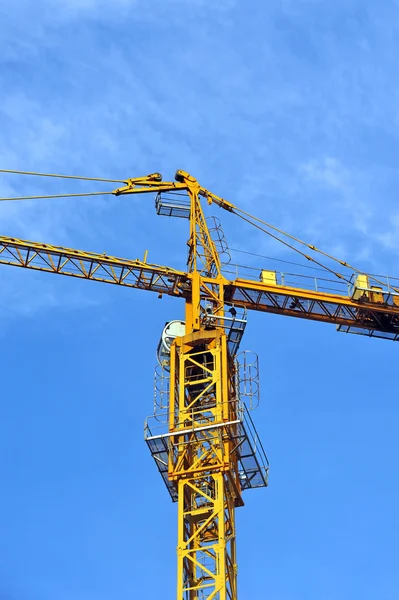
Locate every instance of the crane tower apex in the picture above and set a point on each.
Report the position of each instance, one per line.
(201, 434)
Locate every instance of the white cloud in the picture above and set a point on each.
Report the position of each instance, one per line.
(348, 189)
(26, 296)
(247, 106)
(327, 172)
(390, 237)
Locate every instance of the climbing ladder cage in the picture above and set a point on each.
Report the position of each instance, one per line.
(177, 204)
(219, 239)
(161, 391)
(247, 380)
(198, 426)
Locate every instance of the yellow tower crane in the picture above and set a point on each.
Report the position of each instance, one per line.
(206, 448)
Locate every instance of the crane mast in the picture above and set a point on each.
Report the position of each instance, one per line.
(203, 465)
(202, 439)
(206, 433)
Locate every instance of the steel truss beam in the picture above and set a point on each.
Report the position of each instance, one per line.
(378, 319)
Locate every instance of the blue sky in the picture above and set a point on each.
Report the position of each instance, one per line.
(290, 110)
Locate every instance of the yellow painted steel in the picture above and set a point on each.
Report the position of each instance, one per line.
(268, 277)
(202, 461)
(360, 288)
(203, 464)
(367, 314)
(206, 550)
(203, 403)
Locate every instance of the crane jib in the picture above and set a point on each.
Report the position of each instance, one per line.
(343, 311)
(205, 443)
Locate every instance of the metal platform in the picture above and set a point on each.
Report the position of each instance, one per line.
(385, 335)
(173, 204)
(252, 459)
(233, 322)
(159, 448)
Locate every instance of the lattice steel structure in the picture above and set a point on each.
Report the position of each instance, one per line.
(209, 454)
(207, 450)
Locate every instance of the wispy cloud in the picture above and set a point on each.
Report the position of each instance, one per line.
(389, 238)
(352, 200)
(292, 115)
(287, 108)
(327, 172)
